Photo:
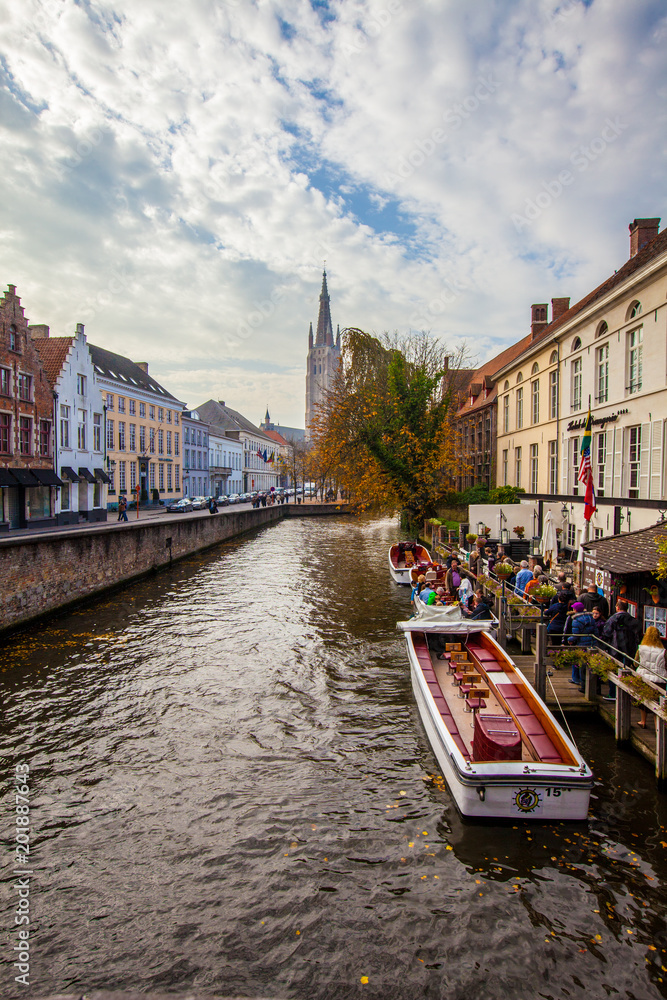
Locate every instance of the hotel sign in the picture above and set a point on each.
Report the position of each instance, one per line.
(575, 425)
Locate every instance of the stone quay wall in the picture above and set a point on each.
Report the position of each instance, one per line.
(42, 574)
(51, 571)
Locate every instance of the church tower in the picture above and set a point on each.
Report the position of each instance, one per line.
(323, 356)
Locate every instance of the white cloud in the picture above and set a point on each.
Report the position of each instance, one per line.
(174, 176)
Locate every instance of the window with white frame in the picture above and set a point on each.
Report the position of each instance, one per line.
(177, 477)
(25, 435)
(635, 350)
(25, 387)
(151, 476)
(535, 401)
(133, 437)
(572, 535)
(634, 450)
(656, 617)
(168, 441)
(161, 476)
(133, 476)
(517, 466)
(142, 409)
(121, 404)
(110, 433)
(506, 415)
(82, 430)
(553, 395)
(169, 477)
(553, 467)
(64, 425)
(506, 472)
(602, 364)
(121, 476)
(577, 365)
(176, 443)
(142, 439)
(45, 438)
(121, 435)
(600, 460)
(151, 440)
(160, 443)
(109, 401)
(534, 469)
(81, 385)
(519, 408)
(133, 407)
(97, 432)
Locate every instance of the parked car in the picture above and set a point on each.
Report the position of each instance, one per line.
(180, 506)
(222, 500)
(198, 503)
(234, 498)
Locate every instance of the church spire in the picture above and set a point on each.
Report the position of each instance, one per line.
(324, 336)
(310, 338)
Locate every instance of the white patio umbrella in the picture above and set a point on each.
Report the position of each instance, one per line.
(549, 543)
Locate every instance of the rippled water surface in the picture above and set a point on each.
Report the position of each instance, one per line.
(230, 793)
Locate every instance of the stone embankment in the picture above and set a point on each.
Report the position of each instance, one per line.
(51, 571)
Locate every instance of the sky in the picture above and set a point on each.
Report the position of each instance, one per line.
(174, 175)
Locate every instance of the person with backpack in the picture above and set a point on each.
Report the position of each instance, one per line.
(622, 632)
(584, 631)
(556, 617)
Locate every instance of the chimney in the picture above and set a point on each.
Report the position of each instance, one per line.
(642, 231)
(79, 329)
(143, 365)
(222, 402)
(558, 307)
(539, 320)
(40, 331)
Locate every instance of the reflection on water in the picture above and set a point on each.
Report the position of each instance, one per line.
(231, 793)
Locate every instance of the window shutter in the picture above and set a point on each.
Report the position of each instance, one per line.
(564, 459)
(644, 461)
(609, 465)
(657, 446)
(618, 461)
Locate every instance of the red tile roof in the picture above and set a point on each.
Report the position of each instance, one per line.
(52, 352)
(480, 377)
(275, 436)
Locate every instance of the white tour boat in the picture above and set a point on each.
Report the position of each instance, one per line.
(501, 751)
(406, 556)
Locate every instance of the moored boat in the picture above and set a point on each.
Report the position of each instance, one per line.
(404, 557)
(501, 751)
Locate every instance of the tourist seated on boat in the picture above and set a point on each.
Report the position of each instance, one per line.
(465, 591)
(481, 609)
(427, 595)
(556, 618)
(522, 578)
(440, 596)
(418, 586)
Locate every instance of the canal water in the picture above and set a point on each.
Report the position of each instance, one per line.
(231, 792)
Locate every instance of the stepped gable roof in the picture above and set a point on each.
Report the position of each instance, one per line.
(632, 552)
(53, 353)
(217, 413)
(324, 336)
(482, 378)
(650, 250)
(124, 371)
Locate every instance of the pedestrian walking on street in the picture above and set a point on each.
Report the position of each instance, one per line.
(122, 509)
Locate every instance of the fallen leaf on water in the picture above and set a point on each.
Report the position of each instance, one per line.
(364, 979)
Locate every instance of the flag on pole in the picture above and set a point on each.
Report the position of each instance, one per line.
(586, 470)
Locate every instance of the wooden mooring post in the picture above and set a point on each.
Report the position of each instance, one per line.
(540, 675)
(623, 721)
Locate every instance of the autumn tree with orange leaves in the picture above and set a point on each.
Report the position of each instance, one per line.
(385, 427)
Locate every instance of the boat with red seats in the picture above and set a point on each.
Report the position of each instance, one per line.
(501, 751)
(404, 557)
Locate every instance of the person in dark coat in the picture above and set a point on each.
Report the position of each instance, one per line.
(591, 599)
(480, 609)
(623, 632)
(556, 617)
(583, 634)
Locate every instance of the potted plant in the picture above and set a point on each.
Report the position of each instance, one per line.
(471, 538)
(503, 570)
(544, 593)
(519, 531)
(564, 659)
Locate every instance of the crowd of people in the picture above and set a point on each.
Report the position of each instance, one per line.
(574, 619)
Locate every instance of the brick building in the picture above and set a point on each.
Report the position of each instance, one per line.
(28, 481)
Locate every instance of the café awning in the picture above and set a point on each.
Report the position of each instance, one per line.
(47, 477)
(86, 474)
(24, 477)
(68, 473)
(6, 478)
(101, 476)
